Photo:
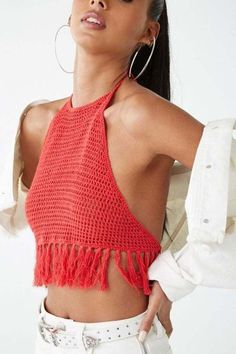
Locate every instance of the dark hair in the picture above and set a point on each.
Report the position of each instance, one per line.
(156, 76)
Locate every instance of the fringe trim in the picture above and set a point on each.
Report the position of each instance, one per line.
(85, 266)
(137, 279)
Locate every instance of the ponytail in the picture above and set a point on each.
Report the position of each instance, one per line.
(156, 76)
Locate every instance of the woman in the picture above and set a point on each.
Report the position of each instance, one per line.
(145, 135)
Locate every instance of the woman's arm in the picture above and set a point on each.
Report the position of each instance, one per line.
(209, 256)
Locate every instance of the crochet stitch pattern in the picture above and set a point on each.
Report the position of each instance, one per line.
(76, 210)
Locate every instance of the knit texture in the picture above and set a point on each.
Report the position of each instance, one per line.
(76, 210)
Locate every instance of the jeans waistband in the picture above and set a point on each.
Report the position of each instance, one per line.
(67, 333)
(69, 323)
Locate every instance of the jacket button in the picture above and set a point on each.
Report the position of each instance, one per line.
(206, 221)
(208, 166)
(215, 127)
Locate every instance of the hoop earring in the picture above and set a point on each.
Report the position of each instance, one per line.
(149, 58)
(55, 46)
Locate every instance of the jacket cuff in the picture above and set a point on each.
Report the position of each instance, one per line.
(12, 213)
(206, 264)
(173, 281)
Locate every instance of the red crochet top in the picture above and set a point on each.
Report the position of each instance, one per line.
(76, 210)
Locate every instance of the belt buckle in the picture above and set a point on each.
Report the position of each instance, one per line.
(51, 329)
(89, 341)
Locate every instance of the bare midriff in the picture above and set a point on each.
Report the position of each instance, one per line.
(120, 301)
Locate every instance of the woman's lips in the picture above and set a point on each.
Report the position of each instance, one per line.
(95, 15)
(93, 25)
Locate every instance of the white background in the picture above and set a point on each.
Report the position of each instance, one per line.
(203, 74)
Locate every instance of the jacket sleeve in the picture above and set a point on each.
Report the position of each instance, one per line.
(208, 257)
(12, 190)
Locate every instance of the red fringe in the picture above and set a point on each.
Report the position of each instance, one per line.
(85, 266)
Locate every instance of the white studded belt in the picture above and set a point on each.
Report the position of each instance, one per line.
(60, 336)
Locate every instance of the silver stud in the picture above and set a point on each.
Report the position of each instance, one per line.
(89, 341)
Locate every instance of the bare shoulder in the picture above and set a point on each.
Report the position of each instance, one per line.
(32, 133)
(38, 118)
(166, 128)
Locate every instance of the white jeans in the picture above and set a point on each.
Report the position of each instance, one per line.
(58, 335)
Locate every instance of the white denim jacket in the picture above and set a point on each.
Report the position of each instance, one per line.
(199, 240)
